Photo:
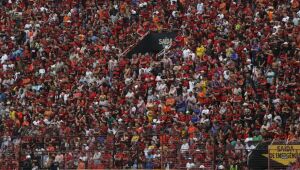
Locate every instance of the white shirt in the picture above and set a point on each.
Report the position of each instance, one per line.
(286, 19)
(59, 158)
(190, 165)
(66, 96)
(184, 147)
(42, 71)
(4, 58)
(205, 111)
(36, 122)
(186, 53)
(4, 67)
(97, 155)
(173, 1)
(191, 85)
(83, 158)
(296, 21)
(174, 13)
(200, 8)
(27, 26)
(226, 75)
(47, 122)
(278, 119)
(129, 95)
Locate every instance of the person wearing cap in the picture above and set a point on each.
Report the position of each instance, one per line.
(190, 164)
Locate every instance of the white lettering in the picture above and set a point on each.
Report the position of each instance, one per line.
(165, 41)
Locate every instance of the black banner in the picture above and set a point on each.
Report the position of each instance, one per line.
(258, 159)
(153, 43)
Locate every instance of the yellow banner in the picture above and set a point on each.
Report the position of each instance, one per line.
(284, 154)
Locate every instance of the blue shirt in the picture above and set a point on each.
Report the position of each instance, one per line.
(2, 97)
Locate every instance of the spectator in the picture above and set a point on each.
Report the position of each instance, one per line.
(230, 74)
(190, 164)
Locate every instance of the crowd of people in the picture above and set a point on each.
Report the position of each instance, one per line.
(70, 97)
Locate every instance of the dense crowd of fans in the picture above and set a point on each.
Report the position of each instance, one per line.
(67, 88)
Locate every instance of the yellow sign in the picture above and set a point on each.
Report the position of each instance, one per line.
(284, 154)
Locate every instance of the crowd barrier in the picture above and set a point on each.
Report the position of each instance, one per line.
(111, 152)
(105, 152)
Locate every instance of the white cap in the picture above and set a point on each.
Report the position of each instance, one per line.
(133, 109)
(221, 167)
(133, 11)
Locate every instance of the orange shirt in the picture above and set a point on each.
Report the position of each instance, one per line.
(66, 18)
(270, 14)
(170, 101)
(291, 137)
(201, 97)
(30, 34)
(26, 81)
(155, 19)
(81, 165)
(223, 7)
(191, 131)
(166, 109)
(48, 113)
(163, 138)
(123, 8)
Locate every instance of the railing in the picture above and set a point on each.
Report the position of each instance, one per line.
(113, 152)
(96, 152)
(9, 156)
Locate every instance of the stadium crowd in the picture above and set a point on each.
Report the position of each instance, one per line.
(67, 88)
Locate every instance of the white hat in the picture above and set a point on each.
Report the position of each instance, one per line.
(221, 167)
(133, 109)
(286, 19)
(201, 166)
(133, 11)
